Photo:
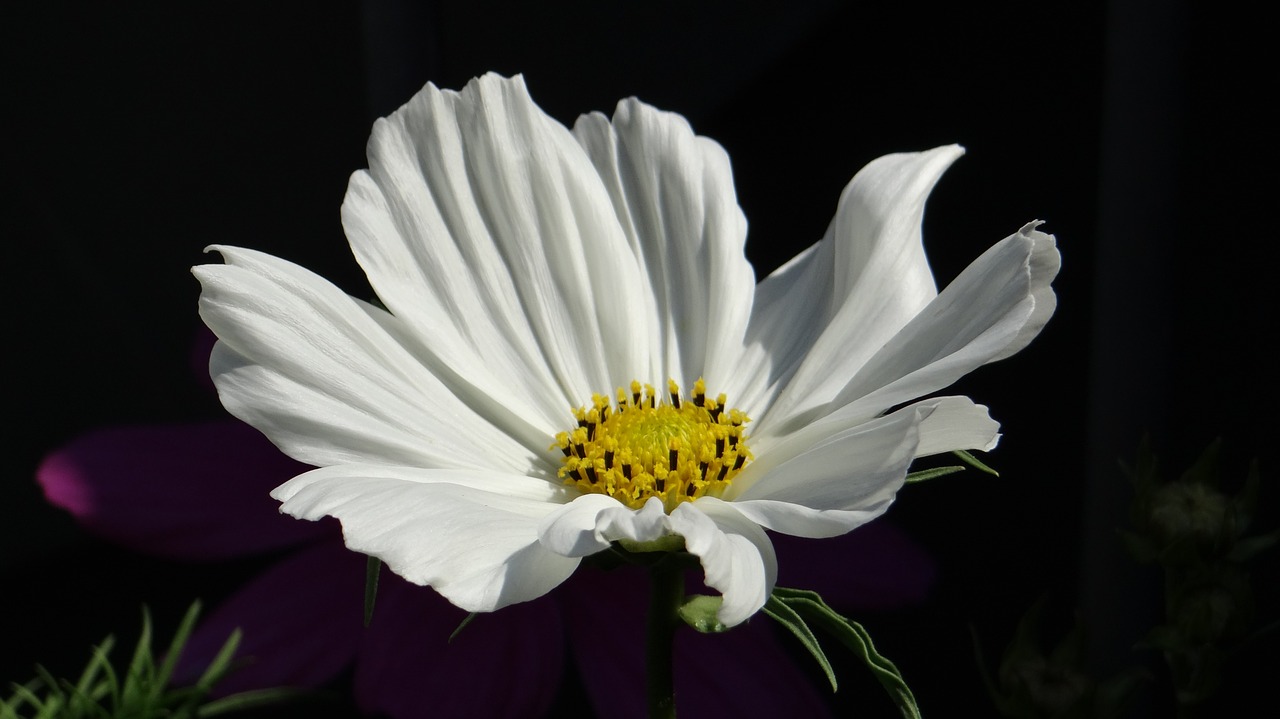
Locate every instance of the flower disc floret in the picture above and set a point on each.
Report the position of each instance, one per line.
(643, 446)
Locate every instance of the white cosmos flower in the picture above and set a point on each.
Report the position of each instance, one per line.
(527, 268)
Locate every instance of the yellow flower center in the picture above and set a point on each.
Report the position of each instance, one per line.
(644, 446)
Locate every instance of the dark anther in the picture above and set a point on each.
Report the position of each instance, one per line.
(626, 471)
(608, 459)
(715, 413)
(675, 400)
(724, 469)
(733, 440)
(737, 463)
(580, 450)
(702, 469)
(689, 490)
(660, 484)
(719, 447)
(591, 474)
(673, 460)
(700, 399)
(566, 450)
(591, 431)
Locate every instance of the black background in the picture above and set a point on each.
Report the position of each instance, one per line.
(1137, 130)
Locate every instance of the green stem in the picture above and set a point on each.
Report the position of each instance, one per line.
(665, 596)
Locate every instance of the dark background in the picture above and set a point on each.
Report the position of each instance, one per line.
(1135, 129)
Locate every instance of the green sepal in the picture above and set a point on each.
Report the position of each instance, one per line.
(804, 606)
(934, 473)
(974, 462)
(784, 614)
(372, 569)
(701, 611)
(462, 625)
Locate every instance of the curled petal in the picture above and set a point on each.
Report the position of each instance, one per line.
(994, 307)
(472, 536)
(827, 314)
(589, 523)
(737, 556)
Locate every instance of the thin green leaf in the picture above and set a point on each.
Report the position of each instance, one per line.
(221, 663)
(974, 462)
(810, 606)
(371, 570)
(141, 668)
(778, 610)
(110, 680)
(462, 625)
(50, 683)
(26, 695)
(90, 674)
(177, 644)
(934, 473)
(248, 700)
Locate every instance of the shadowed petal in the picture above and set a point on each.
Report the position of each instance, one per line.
(502, 664)
(301, 621)
(198, 491)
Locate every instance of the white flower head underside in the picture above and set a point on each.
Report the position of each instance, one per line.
(526, 267)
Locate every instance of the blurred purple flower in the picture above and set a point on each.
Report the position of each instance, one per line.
(200, 492)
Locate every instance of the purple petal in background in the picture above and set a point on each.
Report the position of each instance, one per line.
(744, 672)
(503, 664)
(301, 623)
(197, 491)
(876, 566)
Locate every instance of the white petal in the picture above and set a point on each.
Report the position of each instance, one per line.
(737, 557)
(993, 309)
(482, 224)
(473, 536)
(575, 530)
(867, 278)
(674, 197)
(308, 366)
(837, 474)
(829, 478)
(955, 423)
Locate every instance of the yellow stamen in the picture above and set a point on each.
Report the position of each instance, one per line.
(644, 446)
